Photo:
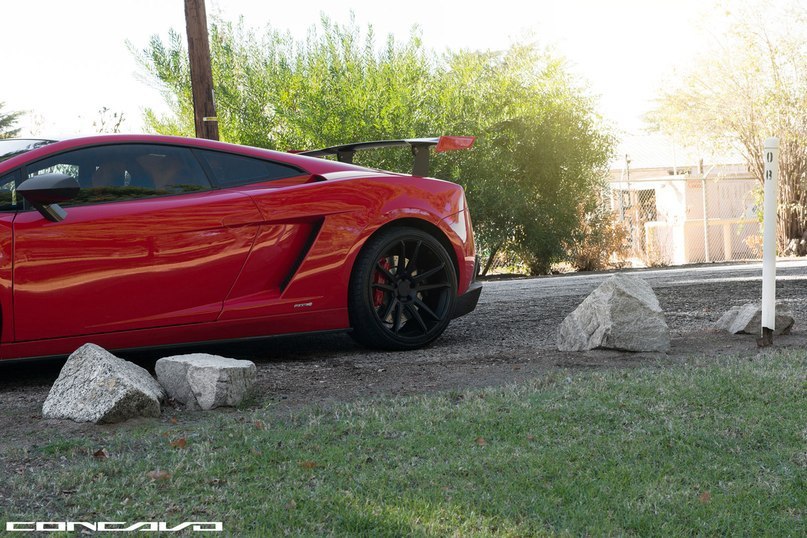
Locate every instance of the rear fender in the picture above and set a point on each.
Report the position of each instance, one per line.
(441, 229)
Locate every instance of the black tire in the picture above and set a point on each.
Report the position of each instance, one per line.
(402, 290)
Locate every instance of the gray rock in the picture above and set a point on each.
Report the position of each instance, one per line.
(747, 319)
(623, 313)
(96, 386)
(202, 381)
(727, 320)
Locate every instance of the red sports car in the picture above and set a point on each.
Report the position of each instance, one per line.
(132, 241)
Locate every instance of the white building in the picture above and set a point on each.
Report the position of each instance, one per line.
(685, 207)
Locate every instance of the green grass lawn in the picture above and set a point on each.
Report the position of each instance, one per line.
(704, 448)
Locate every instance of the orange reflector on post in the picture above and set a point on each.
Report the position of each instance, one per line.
(448, 143)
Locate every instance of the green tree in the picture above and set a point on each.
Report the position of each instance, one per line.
(274, 92)
(7, 122)
(541, 148)
(541, 152)
(752, 86)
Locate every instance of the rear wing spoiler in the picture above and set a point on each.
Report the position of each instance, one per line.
(419, 146)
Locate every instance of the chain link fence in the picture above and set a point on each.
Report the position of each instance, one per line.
(694, 217)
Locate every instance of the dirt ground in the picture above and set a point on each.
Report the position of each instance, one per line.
(510, 337)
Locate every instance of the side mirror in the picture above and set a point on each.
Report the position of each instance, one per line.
(46, 191)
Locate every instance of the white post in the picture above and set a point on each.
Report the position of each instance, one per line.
(771, 157)
(727, 250)
(706, 245)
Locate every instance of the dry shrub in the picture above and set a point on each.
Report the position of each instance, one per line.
(653, 256)
(600, 242)
(754, 243)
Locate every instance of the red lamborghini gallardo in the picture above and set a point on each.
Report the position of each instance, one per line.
(148, 241)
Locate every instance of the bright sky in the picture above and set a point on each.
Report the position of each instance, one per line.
(65, 60)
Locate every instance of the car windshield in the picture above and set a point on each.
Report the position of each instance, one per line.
(14, 146)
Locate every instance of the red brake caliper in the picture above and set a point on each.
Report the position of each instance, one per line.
(379, 278)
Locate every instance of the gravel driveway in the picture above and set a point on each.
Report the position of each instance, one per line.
(510, 336)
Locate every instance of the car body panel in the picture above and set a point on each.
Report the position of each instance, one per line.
(265, 258)
(130, 265)
(6, 290)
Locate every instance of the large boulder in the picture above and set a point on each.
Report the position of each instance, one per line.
(96, 386)
(747, 319)
(202, 381)
(623, 313)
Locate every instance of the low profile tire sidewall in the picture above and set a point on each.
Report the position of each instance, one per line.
(368, 329)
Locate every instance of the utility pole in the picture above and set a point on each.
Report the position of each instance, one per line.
(204, 105)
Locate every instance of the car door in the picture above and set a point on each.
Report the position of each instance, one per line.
(147, 243)
(9, 203)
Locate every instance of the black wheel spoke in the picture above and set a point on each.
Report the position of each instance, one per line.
(385, 287)
(412, 265)
(415, 314)
(385, 271)
(389, 308)
(397, 320)
(434, 286)
(430, 272)
(422, 306)
(401, 259)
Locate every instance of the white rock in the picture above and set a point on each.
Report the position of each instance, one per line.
(622, 313)
(747, 319)
(96, 386)
(202, 381)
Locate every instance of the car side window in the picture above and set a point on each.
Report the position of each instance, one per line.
(123, 172)
(9, 201)
(231, 170)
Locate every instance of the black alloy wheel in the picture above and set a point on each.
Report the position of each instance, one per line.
(402, 290)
